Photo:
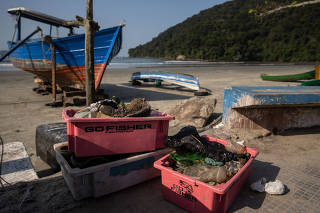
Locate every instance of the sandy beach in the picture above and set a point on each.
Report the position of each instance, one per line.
(291, 157)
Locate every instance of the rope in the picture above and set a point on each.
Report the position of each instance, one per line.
(44, 53)
(57, 32)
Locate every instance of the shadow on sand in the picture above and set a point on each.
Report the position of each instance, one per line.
(300, 131)
(52, 195)
(163, 86)
(128, 92)
(249, 198)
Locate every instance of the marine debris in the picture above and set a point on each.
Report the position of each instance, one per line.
(271, 187)
(207, 161)
(114, 107)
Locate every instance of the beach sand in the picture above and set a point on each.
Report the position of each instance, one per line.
(292, 157)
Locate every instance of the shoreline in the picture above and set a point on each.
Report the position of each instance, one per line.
(177, 64)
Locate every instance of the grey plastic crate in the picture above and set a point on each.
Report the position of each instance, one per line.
(46, 136)
(110, 177)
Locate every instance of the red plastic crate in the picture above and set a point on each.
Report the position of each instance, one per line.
(108, 136)
(196, 196)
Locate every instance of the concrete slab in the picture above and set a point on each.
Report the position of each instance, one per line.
(16, 164)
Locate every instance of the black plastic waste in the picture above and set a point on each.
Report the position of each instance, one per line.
(188, 140)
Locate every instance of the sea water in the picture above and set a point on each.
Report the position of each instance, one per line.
(7, 66)
(126, 62)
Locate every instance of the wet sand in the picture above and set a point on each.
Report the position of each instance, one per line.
(281, 156)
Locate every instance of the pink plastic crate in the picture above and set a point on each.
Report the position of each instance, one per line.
(108, 136)
(196, 196)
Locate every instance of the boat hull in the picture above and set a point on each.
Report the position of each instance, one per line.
(184, 80)
(35, 57)
(289, 78)
(311, 83)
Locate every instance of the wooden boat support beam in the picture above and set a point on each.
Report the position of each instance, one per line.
(19, 28)
(54, 66)
(20, 43)
(48, 40)
(89, 53)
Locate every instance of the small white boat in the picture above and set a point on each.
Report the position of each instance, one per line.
(184, 80)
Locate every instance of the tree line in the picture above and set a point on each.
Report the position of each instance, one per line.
(230, 32)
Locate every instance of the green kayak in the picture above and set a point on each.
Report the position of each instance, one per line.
(311, 83)
(289, 78)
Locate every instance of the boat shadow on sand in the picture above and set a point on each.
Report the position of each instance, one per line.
(166, 86)
(127, 92)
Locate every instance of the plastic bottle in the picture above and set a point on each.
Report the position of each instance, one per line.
(207, 173)
(235, 148)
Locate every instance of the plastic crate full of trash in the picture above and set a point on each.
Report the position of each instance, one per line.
(201, 187)
(108, 128)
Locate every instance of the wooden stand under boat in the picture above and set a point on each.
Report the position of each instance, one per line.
(66, 96)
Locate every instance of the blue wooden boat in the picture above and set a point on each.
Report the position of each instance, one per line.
(184, 80)
(35, 55)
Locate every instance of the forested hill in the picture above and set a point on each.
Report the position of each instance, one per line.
(228, 32)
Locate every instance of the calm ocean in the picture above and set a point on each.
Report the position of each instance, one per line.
(125, 62)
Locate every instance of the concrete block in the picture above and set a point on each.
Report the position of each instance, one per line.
(16, 164)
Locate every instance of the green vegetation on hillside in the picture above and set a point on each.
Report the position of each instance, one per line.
(229, 32)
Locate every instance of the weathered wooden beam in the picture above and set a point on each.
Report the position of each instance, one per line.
(19, 44)
(53, 66)
(79, 21)
(89, 53)
(19, 28)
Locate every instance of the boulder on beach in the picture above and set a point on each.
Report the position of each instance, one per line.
(195, 111)
(181, 57)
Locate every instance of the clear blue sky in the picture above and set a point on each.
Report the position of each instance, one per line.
(144, 19)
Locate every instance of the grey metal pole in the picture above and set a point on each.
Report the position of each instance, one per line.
(19, 27)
